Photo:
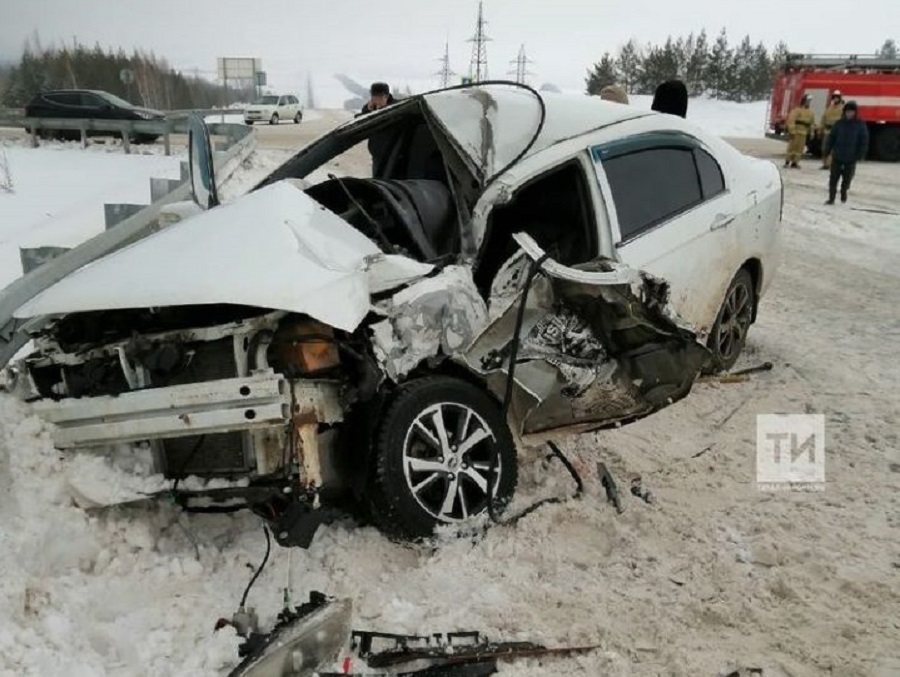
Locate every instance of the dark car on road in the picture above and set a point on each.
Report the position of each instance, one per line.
(84, 104)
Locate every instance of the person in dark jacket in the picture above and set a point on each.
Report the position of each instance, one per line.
(848, 143)
(380, 143)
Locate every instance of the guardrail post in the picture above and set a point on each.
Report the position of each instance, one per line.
(83, 134)
(117, 212)
(34, 141)
(126, 139)
(166, 140)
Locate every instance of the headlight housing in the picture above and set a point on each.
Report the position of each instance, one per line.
(145, 116)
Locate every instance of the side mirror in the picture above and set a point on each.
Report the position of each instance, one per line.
(200, 161)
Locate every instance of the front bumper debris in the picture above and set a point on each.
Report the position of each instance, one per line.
(262, 400)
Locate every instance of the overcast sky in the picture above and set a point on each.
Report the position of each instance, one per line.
(401, 40)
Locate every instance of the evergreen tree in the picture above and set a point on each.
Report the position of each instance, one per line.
(719, 66)
(602, 74)
(628, 65)
(156, 84)
(742, 83)
(889, 49)
(696, 65)
(659, 64)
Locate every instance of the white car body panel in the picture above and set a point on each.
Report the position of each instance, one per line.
(493, 127)
(696, 260)
(274, 248)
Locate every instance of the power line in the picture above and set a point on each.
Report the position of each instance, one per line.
(445, 74)
(478, 68)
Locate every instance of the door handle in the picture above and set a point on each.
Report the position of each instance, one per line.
(721, 221)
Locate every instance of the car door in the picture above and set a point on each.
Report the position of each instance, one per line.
(96, 107)
(62, 105)
(672, 215)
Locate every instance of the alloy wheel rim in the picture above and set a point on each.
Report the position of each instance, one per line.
(446, 461)
(736, 315)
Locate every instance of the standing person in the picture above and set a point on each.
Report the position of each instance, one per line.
(379, 97)
(831, 115)
(800, 124)
(380, 143)
(848, 141)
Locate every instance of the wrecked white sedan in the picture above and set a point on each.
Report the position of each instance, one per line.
(518, 265)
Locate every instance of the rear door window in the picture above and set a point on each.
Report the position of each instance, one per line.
(711, 180)
(64, 98)
(651, 186)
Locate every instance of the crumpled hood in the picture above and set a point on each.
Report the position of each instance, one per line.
(274, 248)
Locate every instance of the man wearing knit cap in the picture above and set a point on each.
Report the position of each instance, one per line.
(848, 142)
(380, 143)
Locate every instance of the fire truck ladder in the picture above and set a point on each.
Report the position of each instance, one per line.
(841, 62)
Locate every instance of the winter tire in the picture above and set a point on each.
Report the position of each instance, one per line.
(274, 119)
(432, 456)
(729, 333)
(297, 118)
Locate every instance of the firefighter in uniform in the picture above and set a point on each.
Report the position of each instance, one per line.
(800, 125)
(832, 114)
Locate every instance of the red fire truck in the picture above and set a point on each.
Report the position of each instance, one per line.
(873, 82)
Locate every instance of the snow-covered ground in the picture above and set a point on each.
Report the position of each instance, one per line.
(52, 203)
(713, 575)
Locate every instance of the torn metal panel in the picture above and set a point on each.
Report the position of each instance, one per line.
(595, 346)
(491, 125)
(250, 248)
(440, 315)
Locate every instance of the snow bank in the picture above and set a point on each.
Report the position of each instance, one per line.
(723, 118)
(59, 193)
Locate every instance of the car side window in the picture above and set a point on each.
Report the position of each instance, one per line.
(292, 100)
(711, 180)
(650, 186)
(64, 98)
(91, 100)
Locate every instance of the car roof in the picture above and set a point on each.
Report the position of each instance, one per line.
(498, 123)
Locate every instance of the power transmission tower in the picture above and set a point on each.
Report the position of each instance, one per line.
(478, 69)
(445, 74)
(521, 62)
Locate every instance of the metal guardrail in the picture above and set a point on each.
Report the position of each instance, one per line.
(176, 122)
(137, 223)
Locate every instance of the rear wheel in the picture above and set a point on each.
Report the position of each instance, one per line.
(274, 119)
(433, 453)
(248, 122)
(729, 333)
(887, 144)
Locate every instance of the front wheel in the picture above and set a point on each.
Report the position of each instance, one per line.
(729, 333)
(274, 119)
(433, 453)
(297, 118)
